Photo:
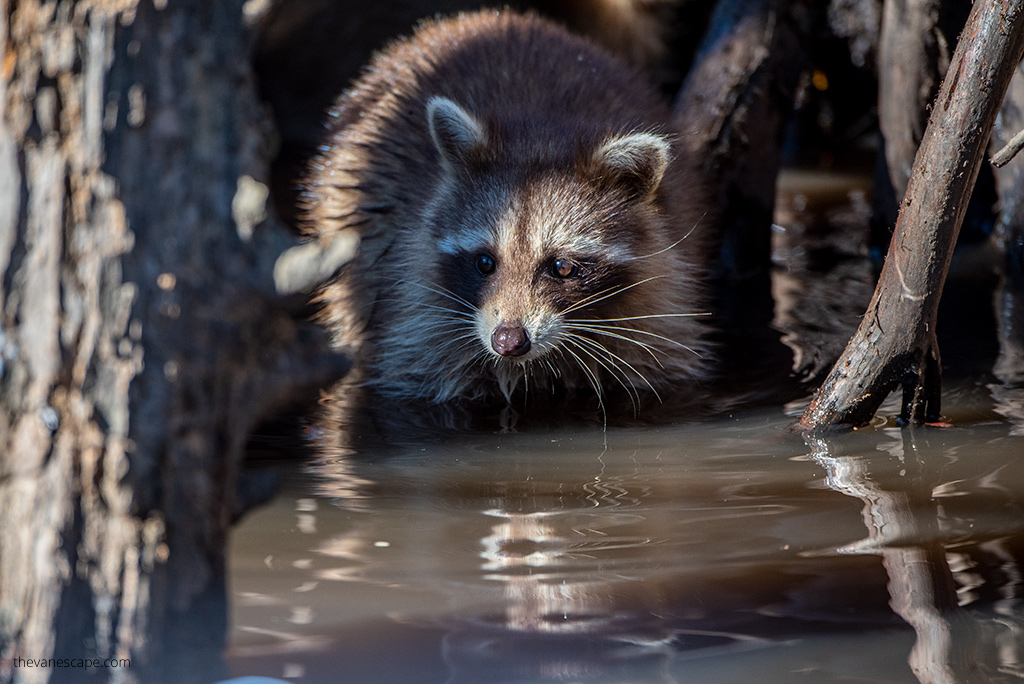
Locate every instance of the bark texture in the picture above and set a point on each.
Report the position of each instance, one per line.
(140, 333)
(895, 344)
(916, 44)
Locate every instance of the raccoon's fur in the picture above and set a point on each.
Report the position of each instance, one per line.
(525, 223)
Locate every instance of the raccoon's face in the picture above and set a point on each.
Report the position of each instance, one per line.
(550, 255)
(540, 256)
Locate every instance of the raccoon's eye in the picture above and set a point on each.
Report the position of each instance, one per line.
(565, 268)
(484, 263)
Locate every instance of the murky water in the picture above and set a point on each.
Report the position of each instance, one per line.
(724, 550)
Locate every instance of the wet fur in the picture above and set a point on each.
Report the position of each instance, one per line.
(503, 133)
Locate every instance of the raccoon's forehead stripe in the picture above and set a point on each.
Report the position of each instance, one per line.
(565, 224)
(463, 243)
(573, 242)
(535, 238)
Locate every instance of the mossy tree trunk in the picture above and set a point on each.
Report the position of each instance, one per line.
(140, 334)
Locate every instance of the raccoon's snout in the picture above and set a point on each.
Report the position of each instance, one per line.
(510, 340)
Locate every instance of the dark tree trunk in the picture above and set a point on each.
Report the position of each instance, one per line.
(896, 344)
(140, 333)
(913, 56)
(731, 116)
(915, 46)
(1010, 175)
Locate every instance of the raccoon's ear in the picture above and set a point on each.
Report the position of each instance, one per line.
(637, 159)
(455, 132)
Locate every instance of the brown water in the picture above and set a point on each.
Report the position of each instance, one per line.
(724, 550)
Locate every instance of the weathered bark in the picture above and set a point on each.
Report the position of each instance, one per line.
(895, 343)
(916, 43)
(140, 333)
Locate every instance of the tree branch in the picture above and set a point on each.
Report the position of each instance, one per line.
(895, 344)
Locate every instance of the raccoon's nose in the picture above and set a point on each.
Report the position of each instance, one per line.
(510, 340)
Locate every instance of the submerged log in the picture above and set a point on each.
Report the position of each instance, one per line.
(140, 332)
(895, 344)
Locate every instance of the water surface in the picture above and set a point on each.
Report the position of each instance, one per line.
(729, 550)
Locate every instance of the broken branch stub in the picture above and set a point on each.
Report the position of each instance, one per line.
(895, 344)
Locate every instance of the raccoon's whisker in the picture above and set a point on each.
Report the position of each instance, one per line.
(597, 330)
(645, 332)
(588, 373)
(447, 323)
(605, 330)
(637, 318)
(446, 336)
(553, 371)
(469, 337)
(589, 298)
(604, 363)
(442, 336)
(585, 302)
(674, 244)
(444, 292)
(630, 390)
(625, 363)
(461, 315)
(467, 316)
(468, 364)
(468, 342)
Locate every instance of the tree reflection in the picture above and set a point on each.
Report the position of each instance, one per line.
(929, 584)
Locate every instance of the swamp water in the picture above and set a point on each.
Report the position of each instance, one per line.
(729, 549)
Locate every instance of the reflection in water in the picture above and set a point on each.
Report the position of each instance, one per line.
(905, 527)
(676, 554)
(523, 553)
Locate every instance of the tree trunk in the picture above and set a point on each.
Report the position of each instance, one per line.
(913, 56)
(915, 47)
(731, 115)
(140, 333)
(1010, 176)
(895, 343)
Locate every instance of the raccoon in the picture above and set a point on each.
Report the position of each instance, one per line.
(526, 223)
